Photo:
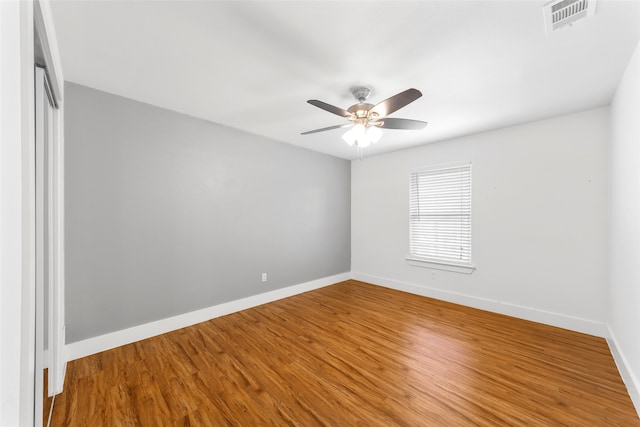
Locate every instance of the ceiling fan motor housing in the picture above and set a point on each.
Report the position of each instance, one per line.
(360, 111)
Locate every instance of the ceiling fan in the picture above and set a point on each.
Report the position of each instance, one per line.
(365, 120)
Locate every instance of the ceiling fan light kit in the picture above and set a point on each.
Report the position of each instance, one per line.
(368, 119)
(362, 136)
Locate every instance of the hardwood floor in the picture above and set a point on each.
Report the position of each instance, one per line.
(351, 354)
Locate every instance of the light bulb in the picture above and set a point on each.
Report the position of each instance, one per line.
(349, 137)
(374, 133)
(359, 131)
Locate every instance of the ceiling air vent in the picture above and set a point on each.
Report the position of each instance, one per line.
(560, 13)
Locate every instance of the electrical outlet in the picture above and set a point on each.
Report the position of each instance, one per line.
(264, 277)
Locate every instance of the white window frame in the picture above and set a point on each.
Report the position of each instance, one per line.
(443, 263)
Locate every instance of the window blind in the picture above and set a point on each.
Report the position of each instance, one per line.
(440, 215)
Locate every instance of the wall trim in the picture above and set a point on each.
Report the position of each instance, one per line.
(522, 312)
(628, 377)
(111, 340)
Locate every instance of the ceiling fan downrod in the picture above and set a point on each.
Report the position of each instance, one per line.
(361, 93)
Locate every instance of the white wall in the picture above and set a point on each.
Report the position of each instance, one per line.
(624, 308)
(540, 197)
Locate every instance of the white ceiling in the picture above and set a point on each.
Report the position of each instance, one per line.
(252, 65)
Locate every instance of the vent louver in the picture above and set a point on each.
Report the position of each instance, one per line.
(560, 13)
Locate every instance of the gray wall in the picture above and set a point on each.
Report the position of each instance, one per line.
(166, 214)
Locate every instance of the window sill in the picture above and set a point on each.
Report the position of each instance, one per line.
(456, 268)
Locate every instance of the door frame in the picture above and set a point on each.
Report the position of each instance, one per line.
(18, 19)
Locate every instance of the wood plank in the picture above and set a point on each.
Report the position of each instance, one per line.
(351, 354)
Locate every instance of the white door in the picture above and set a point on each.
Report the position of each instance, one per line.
(49, 345)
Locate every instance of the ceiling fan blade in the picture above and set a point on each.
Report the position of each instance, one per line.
(330, 108)
(396, 102)
(391, 123)
(327, 128)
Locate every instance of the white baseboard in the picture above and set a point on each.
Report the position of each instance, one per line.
(628, 376)
(111, 340)
(528, 313)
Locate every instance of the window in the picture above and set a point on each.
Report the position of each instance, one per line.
(440, 218)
